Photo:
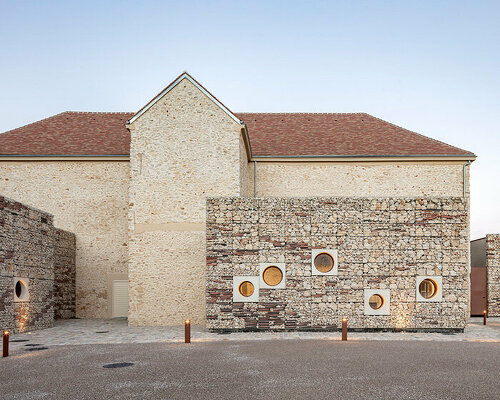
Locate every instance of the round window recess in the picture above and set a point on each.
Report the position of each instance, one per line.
(21, 290)
(376, 301)
(323, 262)
(246, 288)
(428, 288)
(272, 275)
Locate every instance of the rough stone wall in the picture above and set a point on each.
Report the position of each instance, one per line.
(183, 149)
(493, 266)
(246, 172)
(354, 179)
(89, 198)
(64, 274)
(27, 252)
(382, 243)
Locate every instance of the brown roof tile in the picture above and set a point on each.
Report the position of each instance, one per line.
(280, 134)
(70, 133)
(359, 134)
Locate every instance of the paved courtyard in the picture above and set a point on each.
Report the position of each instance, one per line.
(83, 331)
(266, 369)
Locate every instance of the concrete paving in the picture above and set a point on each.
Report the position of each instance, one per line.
(266, 369)
(82, 331)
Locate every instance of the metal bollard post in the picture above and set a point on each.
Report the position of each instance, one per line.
(6, 334)
(344, 328)
(187, 331)
(485, 315)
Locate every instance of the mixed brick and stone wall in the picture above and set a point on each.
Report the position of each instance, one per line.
(28, 252)
(64, 271)
(382, 243)
(493, 271)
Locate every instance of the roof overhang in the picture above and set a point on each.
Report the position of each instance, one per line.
(63, 157)
(184, 75)
(364, 158)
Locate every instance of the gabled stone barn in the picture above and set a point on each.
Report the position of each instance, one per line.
(310, 217)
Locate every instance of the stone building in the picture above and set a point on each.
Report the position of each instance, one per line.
(388, 206)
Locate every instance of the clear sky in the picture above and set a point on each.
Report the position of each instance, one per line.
(429, 66)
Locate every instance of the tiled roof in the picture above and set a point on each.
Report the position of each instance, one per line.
(70, 133)
(359, 134)
(296, 134)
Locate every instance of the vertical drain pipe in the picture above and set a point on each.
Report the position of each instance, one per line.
(465, 166)
(255, 179)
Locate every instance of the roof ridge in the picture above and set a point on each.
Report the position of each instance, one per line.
(96, 112)
(302, 113)
(419, 134)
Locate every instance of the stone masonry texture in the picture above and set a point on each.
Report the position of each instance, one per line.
(493, 268)
(29, 249)
(382, 243)
(64, 269)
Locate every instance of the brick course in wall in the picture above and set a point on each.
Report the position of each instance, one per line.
(27, 251)
(382, 243)
(493, 271)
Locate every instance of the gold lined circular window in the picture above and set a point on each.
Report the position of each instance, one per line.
(272, 275)
(428, 288)
(246, 288)
(323, 262)
(376, 301)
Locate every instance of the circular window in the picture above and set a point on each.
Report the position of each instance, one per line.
(272, 275)
(21, 290)
(323, 262)
(376, 301)
(428, 288)
(246, 288)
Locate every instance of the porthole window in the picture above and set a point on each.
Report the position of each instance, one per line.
(324, 262)
(427, 288)
(376, 301)
(21, 292)
(246, 288)
(272, 275)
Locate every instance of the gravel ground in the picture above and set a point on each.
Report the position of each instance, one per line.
(266, 369)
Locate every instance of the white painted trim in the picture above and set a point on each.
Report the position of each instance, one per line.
(184, 75)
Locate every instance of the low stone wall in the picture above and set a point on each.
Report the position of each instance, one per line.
(28, 243)
(493, 271)
(64, 270)
(383, 244)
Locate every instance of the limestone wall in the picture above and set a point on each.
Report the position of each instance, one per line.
(360, 179)
(493, 266)
(382, 243)
(90, 199)
(183, 149)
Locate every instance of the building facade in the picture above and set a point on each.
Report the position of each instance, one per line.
(133, 187)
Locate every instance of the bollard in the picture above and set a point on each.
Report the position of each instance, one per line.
(344, 328)
(6, 334)
(187, 331)
(485, 315)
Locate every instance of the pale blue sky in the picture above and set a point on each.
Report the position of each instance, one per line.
(429, 66)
